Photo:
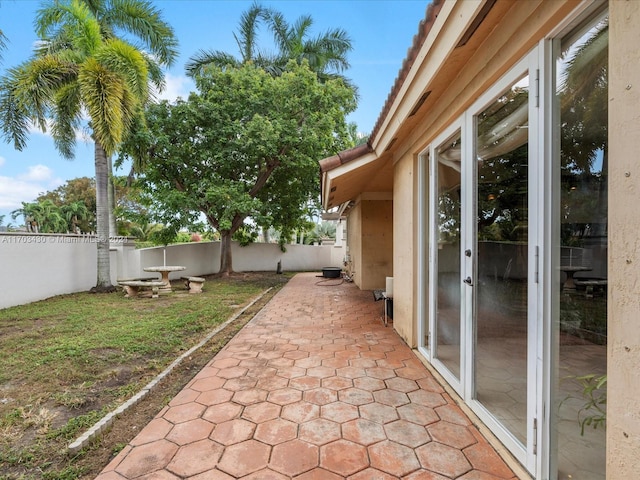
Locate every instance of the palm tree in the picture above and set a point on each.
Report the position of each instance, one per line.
(82, 66)
(326, 53)
(74, 213)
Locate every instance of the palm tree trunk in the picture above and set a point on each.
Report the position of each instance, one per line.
(226, 263)
(102, 221)
(112, 198)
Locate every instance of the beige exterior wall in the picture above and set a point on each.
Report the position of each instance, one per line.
(354, 244)
(370, 240)
(623, 391)
(405, 271)
(377, 240)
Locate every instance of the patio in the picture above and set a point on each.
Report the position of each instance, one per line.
(314, 387)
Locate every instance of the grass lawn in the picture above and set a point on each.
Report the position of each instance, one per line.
(69, 360)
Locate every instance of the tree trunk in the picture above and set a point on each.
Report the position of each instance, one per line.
(111, 193)
(226, 263)
(102, 221)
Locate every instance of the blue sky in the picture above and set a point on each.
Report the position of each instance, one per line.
(381, 32)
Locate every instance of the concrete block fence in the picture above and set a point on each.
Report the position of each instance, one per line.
(38, 266)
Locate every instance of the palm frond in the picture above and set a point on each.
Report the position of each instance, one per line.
(66, 118)
(141, 19)
(73, 20)
(198, 62)
(119, 56)
(103, 92)
(248, 30)
(14, 119)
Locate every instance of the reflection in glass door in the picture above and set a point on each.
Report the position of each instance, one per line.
(580, 245)
(446, 238)
(502, 273)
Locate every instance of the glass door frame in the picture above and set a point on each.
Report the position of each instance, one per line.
(427, 257)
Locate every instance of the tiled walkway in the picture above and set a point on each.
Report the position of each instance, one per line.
(313, 388)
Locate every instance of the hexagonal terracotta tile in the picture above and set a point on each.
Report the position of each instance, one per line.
(276, 431)
(321, 372)
(300, 412)
(240, 383)
(412, 373)
(427, 475)
(157, 429)
(393, 458)
(304, 383)
(483, 457)
(294, 457)
(184, 413)
(319, 431)
(191, 431)
(391, 398)
(232, 372)
(456, 436)
(214, 397)
(222, 412)
(233, 431)
(249, 397)
(339, 412)
(430, 384)
(355, 396)
(407, 433)
(185, 396)
(147, 458)
(244, 458)
(377, 412)
(319, 474)
(364, 432)
(402, 384)
(380, 373)
(206, 384)
(261, 412)
(225, 362)
(337, 383)
(272, 383)
(291, 372)
(344, 457)
(418, 414)
(452, 414)
(443, 459)
(351, 372)
(368, 383)
(320, 396)
(284, 396)
(372, 474)
(195, 458)
(426, 398)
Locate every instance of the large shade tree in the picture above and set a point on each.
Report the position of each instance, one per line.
(244, 146)
(83, 69)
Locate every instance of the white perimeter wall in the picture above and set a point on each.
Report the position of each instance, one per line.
(35, 267)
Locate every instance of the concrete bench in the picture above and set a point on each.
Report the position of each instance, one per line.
(133, 287)
(589, 285)
(194, 284)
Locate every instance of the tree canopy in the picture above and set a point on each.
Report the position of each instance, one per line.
(246, 145)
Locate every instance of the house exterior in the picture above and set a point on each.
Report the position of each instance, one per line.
(499, 189)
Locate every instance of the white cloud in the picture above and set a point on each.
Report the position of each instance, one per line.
(175, 86)
(37, 173)
(26, 187)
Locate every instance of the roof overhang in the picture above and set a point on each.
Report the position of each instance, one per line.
(348, 174)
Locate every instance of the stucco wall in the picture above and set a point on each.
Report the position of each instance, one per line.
(35, 267)
(354, 244)
(377, 241)
(405, 261)
(623, 391)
